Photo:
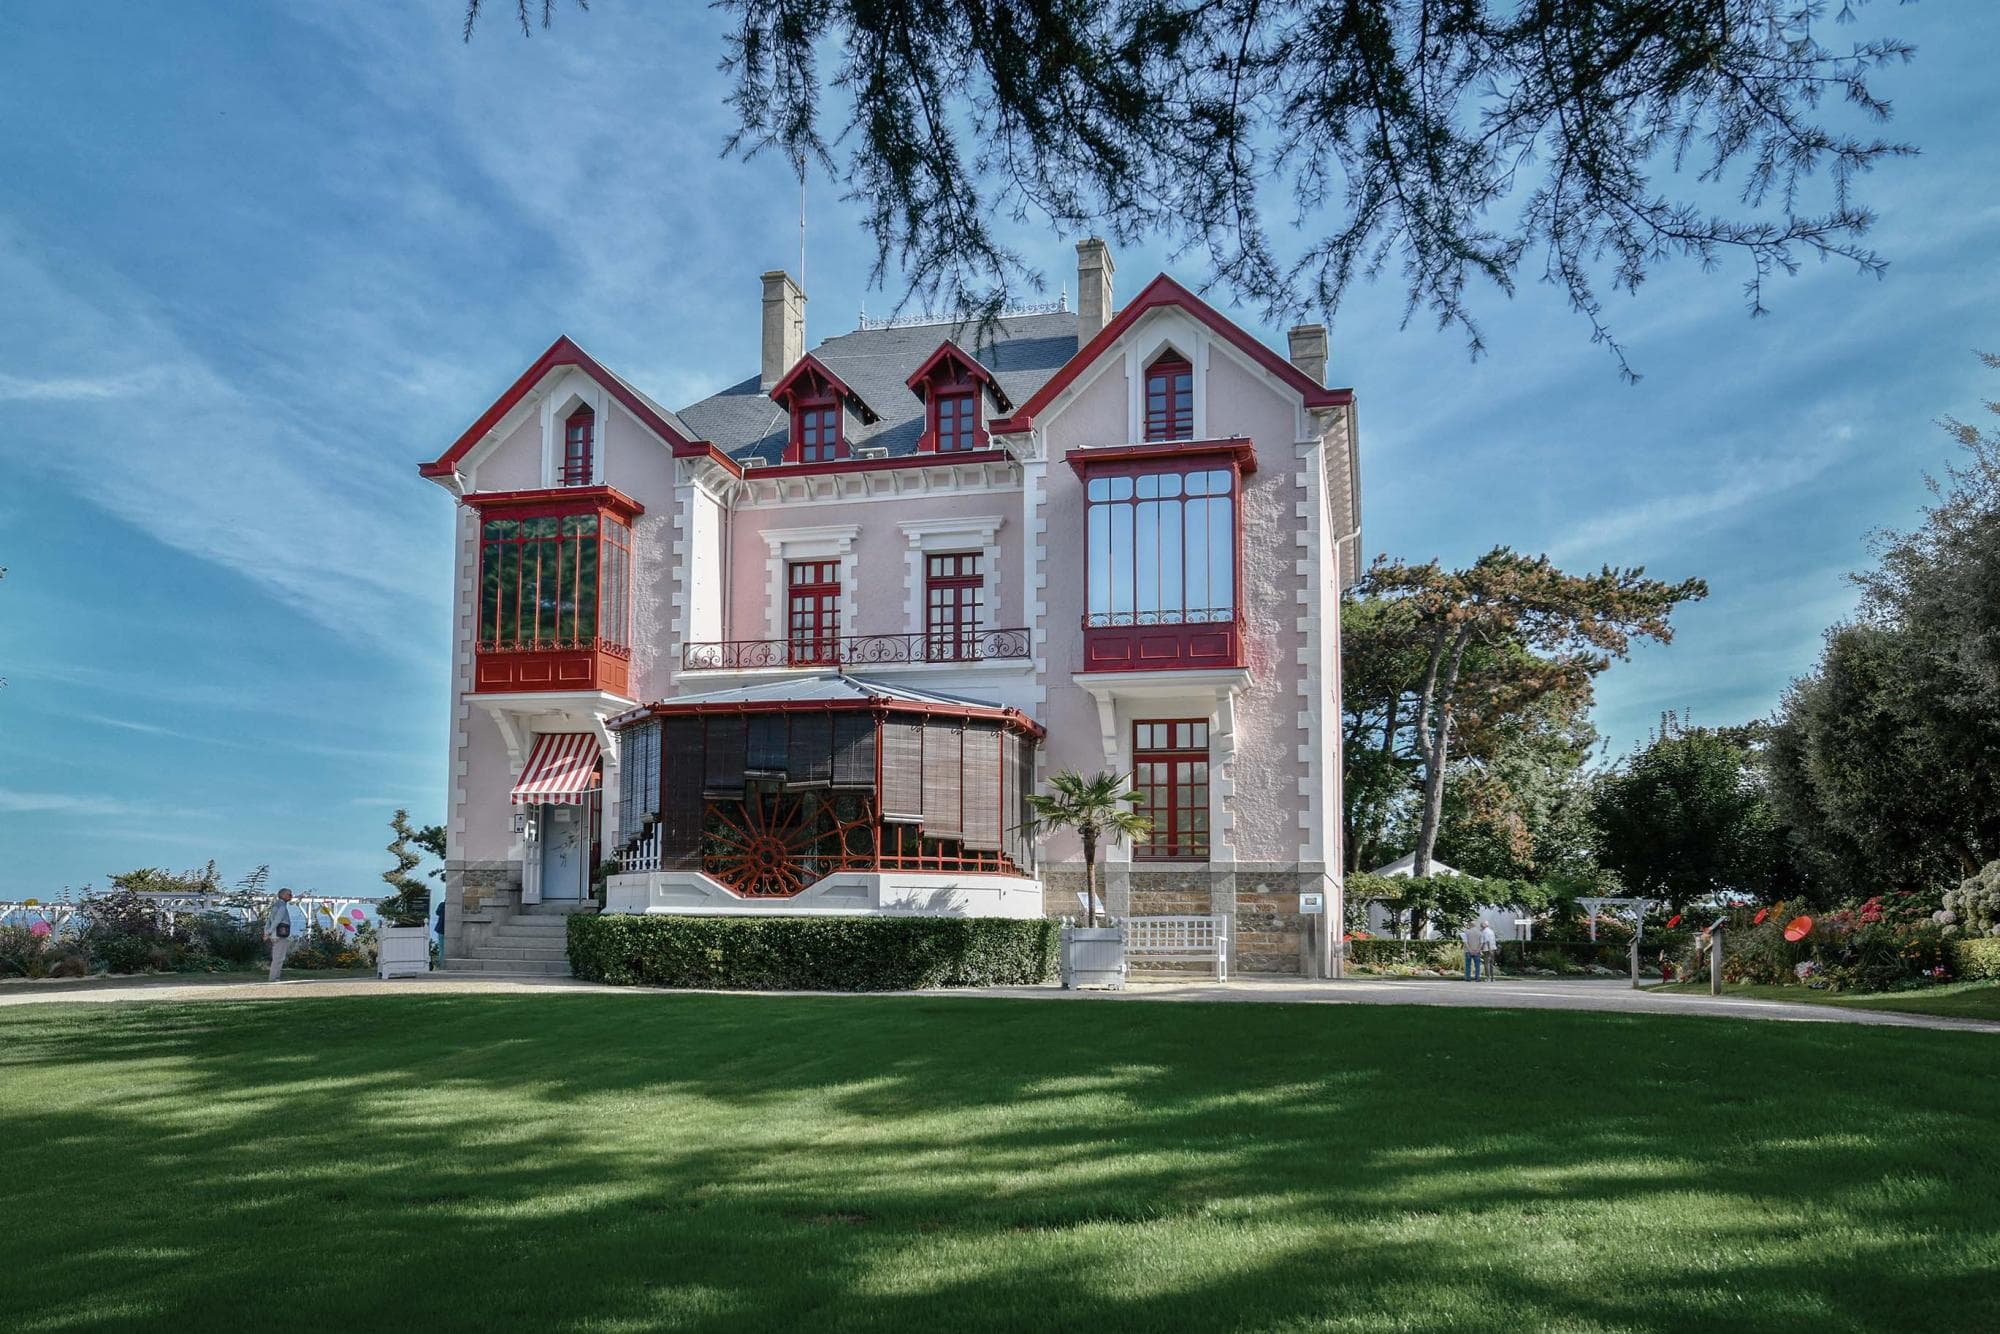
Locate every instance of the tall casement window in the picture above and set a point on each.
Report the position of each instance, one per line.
(817, 427)
(955, 421)
(554, 582)
(1162, 547)
(954, 597)
(1170, 774)
(1170, 399)
(578, 444)
(812, 612)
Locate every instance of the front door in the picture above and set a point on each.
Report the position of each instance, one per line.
(565, 834)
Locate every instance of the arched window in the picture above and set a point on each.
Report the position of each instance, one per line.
(1170, 399)
(578, 444)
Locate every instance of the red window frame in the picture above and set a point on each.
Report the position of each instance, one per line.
(955, 425)
(812, 613)
(954, 605)
(1170, 771)
(578, 447)
(818, 434)
(1170, 399)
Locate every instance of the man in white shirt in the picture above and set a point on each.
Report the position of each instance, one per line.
(1468, 939)
(1489, 948)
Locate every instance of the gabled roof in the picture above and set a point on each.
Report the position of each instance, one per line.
(1164, 291)
(949, 350)
(563, 352)
(809, 366)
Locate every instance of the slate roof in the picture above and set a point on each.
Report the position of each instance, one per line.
(1023, 351)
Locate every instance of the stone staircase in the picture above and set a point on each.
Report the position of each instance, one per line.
(530, 942)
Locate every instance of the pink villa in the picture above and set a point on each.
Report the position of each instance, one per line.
(805, 646)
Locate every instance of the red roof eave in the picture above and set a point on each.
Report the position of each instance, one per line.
(670, 708)
(1236, 449)
(564, 352)
(1164, 291)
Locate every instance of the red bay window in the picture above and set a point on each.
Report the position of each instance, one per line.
(1162, 555)
(555, 590)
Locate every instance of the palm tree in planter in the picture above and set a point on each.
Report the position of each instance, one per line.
(1093, 809)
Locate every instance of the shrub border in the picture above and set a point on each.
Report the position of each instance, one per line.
(812, 953)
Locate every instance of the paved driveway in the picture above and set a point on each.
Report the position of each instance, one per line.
(1608, 995)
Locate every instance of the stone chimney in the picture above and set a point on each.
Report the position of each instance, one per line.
(784, 326)
(1093, 287)
(1308, 348)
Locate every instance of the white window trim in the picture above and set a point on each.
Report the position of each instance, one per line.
(574, 386)
(926, 537)
(829, 542)
(1177, 332)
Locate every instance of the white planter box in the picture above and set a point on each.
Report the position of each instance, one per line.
(403, 951)
(1093, 956)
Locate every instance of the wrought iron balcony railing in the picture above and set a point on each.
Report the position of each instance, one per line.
(940, 647)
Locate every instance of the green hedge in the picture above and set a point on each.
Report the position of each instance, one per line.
(812, 953)
(1977, 957)
(1442, 953)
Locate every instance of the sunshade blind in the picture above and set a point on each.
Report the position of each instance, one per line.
(902, 770)
(944, 786)
(982, 788)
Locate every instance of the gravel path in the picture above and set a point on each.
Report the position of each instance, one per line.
(1608, 996)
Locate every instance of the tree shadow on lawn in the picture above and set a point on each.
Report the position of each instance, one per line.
(729, 1162)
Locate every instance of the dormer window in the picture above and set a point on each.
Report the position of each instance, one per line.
(955, 420)
(954, 387)
(578, 446)
(816, 432)
(1170, 399)
(819, 403)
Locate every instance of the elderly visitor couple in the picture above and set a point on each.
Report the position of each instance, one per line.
(1482, 952)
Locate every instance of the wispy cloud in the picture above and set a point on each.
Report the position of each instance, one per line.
(13, 801)
(215, 465)
(72, 389)
(1623, 528)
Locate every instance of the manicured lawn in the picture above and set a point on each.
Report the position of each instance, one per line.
(614, 1162)
(1959, 1000)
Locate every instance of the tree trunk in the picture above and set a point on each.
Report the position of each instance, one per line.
(1089, 876)
(1443, 682)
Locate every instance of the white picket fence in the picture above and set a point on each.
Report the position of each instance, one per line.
(646, 856)
(323, 910)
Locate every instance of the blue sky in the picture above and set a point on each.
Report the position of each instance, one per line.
(256, 263)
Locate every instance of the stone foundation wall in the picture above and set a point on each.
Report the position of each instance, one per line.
(1267, 933)
(476, 896)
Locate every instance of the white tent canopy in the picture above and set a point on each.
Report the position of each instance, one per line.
(1406, 866)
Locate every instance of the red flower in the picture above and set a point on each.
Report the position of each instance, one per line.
(1675, 920)
(1758, 920)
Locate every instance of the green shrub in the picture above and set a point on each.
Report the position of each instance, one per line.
(812, 953)
(1977, 958)
(218, 938)
(1975, 904)
(23, 953)
(1443, 953)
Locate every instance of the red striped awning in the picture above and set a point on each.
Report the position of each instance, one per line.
(561, 770)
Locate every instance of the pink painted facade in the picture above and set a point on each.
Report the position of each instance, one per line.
(979, 577)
